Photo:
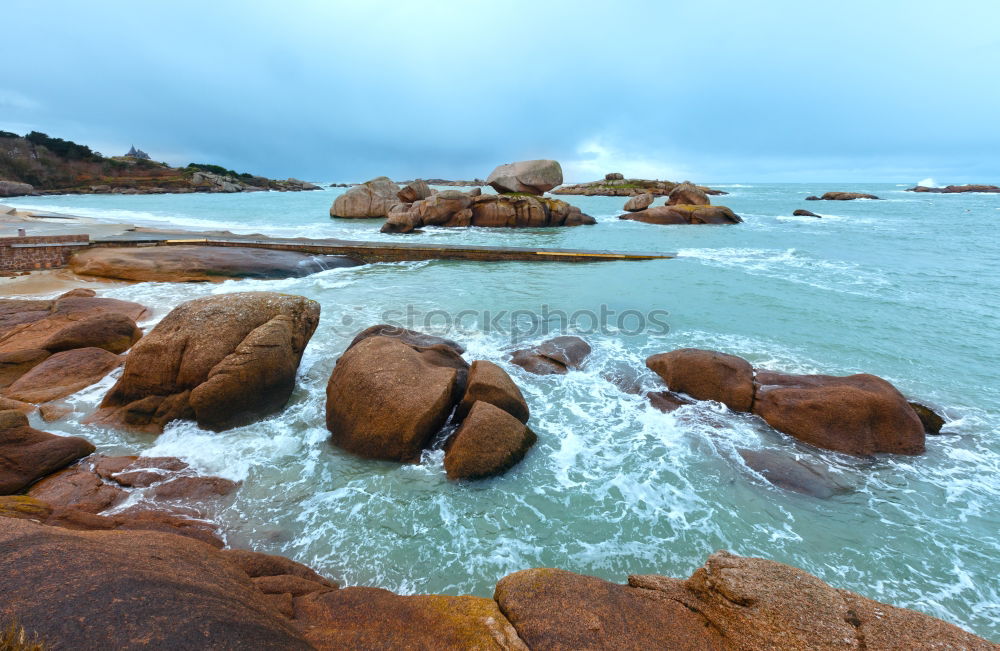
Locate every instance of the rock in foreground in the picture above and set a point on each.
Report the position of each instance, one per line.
(732, 603)
(488, 442)
(529, 177)
(28, 454)
(179, 264)
(222, 361)
(706, 375)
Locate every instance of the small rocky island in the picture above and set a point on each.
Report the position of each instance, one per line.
(39, 164)
(615, 184)
(686, 204)
(955, 189)
(518, 203)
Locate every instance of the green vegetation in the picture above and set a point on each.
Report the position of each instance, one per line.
(65, 148)
(217, 169)
(8, 134)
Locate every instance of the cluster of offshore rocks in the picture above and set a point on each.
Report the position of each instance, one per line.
(140, 562)
(615, 184)
(518, 203)
(685, 204)
(956, 189)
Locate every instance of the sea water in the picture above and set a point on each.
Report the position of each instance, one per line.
(907, 288)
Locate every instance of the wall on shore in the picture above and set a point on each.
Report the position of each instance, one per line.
(39, 252)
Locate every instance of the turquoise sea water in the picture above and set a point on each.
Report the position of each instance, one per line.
(907, 288)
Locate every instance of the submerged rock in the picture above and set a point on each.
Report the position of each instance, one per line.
(666, 401)
(385, 399)
(222, 361)
(858, 414)
(489, 441)
(556, 356)
(793, 474)
(28, 454)
(374, 198)
(706, 375)
(531, 177)
(179, 264)
(684, 214)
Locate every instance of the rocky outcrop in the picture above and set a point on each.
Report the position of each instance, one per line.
(222, 361)
(529, 177)
(370, 618)
(681, 214)
(32, 324)
(488, 442)
(706, 375)
(952, 189)
(454, 208)
(687, 194)
(556, 356)
(731, 603)
(842, 196)
(804, 213)
(28, 454)
(414, 191)
(15, 189)
(128, 589)
(374, 198)
(490, 383)
(181, 264)
(858, 414)
(63, 374)
(622, 187)
(639, 202)
(386, 398)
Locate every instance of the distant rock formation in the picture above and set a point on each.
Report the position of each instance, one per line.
(952, 189)
(842, 196)
(455, 208)
(686, 204)
(526, 177)
(614, 185)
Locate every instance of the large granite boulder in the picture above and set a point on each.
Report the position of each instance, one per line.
(706, 375)
(687, 194)
(490, 383)
(112, 332)
(733, 603)
(130, 590)
(180, 264)
(684, 214)
(222, 361)
(15, 363)
(858, 414)
(371, 618)
(639, 202)
(414, 191)
(32, 324)
(15, 189)
(372, 198)
(529, 177)
(28, 454)
(63, 374)
(488, 442)
(385, 398)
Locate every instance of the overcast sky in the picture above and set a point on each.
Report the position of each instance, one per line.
(711, 91)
